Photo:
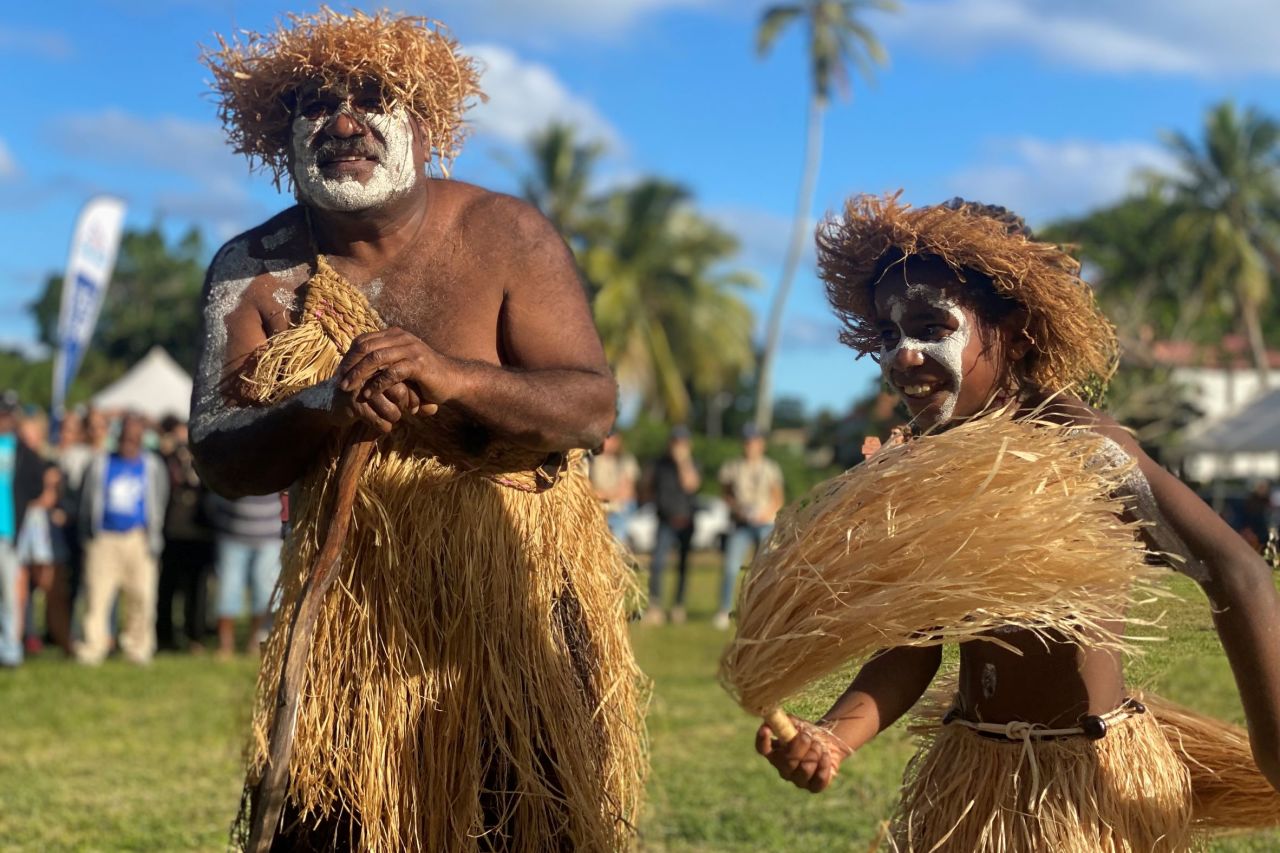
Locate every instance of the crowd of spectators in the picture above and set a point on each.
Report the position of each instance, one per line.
(109, 544)
(751, 486)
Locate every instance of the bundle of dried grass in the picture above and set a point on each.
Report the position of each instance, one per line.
(1074, 345)
(471, 682)
(1228, 790)
(995, 522)
(1126, 793)
(256, 77)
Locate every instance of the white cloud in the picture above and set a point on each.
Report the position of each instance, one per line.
(41, 44)
(524, 97)
(809, 332)
(215, 191)
(1186, 37)
(172, 144)
(763, 236)
(1041, 179)
(8, 166)
(546, 19)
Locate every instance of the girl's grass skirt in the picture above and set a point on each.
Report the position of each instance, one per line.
(1150, 786)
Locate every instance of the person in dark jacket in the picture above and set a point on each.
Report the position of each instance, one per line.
(187, 559)
(21, 481)
(674, 481)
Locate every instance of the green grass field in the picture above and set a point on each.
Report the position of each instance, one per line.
(121, 758)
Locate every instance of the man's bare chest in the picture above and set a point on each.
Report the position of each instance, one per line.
(430, 299)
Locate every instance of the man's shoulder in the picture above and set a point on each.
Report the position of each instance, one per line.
(282, 238)
(254, 265)
(478, 209)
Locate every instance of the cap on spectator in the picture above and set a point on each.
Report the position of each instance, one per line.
(751, 431)
(9, 402)
(680, 432)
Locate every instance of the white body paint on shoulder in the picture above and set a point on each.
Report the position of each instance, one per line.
(231, 274)
(278, 238)
(392, 177)
(286, 299)
(948, 352)
(1135, 487)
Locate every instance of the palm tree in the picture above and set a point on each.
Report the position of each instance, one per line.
(1225, 197)
(837, 39)
(559, 182)
(668, 314)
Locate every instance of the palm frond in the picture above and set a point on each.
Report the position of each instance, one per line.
(772, 22)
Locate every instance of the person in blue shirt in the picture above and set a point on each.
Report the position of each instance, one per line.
(21, 480)
(122, 517)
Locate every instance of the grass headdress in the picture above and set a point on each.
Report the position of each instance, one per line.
(256, 77)
(1073, 344)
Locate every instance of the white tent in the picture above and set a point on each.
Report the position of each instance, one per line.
(156, 386)
(1255, 429)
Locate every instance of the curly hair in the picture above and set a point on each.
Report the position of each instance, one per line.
(1073, 343)
(417, 64)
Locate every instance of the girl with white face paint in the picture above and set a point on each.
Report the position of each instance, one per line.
(936, 352)
(969, 315)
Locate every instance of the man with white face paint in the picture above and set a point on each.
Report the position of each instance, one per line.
(472, 655)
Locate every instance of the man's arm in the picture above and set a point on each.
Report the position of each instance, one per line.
(777, 495)
(240, 448)
(725, 476)
(553, 391)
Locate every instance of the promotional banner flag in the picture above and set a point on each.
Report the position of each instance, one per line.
(89, 265)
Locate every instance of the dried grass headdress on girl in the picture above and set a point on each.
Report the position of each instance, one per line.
(1073, 344)
(256, 77)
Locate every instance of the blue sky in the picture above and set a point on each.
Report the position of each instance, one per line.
(1047, 107)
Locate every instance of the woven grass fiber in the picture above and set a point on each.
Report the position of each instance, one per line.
(471, 684)
(1129, 792)
(995, 522)
(1073, 343)
(1228, 790)
(256, 77)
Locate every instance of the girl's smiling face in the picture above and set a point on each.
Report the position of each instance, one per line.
(939, 356)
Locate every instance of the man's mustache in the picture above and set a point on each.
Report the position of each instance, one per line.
(360, 146)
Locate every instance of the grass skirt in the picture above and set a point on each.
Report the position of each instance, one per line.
(1129, 792)
(471, 683)
(1157, 782)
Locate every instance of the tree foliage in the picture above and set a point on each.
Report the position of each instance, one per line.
(1194, 257)
(153, 300)
(668, 310)
(838, 39)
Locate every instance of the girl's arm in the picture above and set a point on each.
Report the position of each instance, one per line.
(884, 689)
(1241, 591)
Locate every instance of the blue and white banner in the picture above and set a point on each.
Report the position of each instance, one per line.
(89, 266)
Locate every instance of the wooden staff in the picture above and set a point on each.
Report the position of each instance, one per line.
(267, 800)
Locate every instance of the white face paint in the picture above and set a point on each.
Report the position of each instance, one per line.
(393, 175)
(948, 352)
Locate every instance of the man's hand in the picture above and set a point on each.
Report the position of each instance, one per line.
(810, 761)
(381, 411)
(392, 373)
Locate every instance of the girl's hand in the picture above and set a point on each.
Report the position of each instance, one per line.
(810, 761)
